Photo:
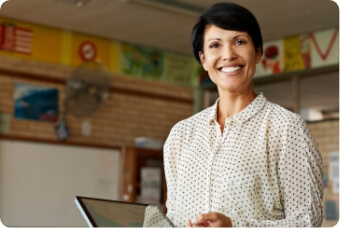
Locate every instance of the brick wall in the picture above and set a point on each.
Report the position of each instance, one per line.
(326, 134)
(138, 108)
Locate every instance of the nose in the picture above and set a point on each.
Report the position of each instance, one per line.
(228, 53)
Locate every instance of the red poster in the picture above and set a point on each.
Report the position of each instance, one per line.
(15, 39)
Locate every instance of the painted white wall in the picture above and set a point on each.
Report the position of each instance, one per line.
(38, 182)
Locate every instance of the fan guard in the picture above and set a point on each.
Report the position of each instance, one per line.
(86, 88)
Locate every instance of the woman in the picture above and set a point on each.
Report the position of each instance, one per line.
(243, 161)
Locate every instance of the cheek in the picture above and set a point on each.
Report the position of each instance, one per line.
(210, 61)
(253, 59)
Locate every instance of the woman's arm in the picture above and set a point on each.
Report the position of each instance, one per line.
(300, 180)
(170, 170)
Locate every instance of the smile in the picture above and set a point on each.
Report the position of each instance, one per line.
(230, 69)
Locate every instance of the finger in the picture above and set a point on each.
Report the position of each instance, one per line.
(210, 219)
(214, 219)
(207, 217)
(200, 221)
(188, 224)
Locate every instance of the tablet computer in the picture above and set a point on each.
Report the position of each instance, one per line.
(112, 213)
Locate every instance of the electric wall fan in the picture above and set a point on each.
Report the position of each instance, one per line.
(86, 89)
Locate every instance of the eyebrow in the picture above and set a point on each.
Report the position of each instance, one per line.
(234, 38)
(214, 39)
(238, 36)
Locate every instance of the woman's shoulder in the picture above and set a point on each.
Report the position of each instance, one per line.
(186, 128)
(281, 114)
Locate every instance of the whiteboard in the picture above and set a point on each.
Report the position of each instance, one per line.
(38, 182)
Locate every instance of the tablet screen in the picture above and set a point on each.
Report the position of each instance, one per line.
(111, 213)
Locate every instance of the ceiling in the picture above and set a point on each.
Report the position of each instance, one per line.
(163, 28)
(151, 26)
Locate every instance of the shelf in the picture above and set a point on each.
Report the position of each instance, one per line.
(134, 160)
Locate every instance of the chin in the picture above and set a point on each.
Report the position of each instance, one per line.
(230, 88)
(233, 89)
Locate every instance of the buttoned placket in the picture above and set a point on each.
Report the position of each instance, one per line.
(221, 138)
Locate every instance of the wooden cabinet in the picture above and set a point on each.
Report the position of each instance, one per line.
(133, 161)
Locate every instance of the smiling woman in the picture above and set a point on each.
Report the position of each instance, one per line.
(230, 58)
(244, 161)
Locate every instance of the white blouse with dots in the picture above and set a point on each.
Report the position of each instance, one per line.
(264, 170)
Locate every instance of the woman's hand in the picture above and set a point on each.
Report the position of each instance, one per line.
(213, 219)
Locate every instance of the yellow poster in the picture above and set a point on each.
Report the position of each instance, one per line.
(29, 41)
(89, 48)
(292, 59)
(115, 61)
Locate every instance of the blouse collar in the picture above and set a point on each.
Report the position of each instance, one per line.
(254, 107)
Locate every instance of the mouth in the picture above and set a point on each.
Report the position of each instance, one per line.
(231, 69)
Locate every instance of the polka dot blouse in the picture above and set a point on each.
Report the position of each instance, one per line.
(263, 170)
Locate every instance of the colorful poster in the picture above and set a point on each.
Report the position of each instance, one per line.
(35, 102)
(324, 48)
(114, 65)
(141, 62)
(88, 48)
(152, 66)
(308, 51)
(131, 60)
(305, 50)
(30, 41)
(272, 59)
(15, 39)
(178, 68)
(292, 58)
(41, 43)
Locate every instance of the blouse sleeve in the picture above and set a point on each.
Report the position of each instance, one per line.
(300, 181)
(170, 168)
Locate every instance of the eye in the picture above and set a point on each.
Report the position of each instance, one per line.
(214, 45)
(240, 42)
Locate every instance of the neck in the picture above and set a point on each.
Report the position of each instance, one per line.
(232, 103)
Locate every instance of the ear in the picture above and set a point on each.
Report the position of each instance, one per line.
(258, 56)
(202, 58)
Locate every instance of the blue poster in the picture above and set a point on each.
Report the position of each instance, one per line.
(35, 102)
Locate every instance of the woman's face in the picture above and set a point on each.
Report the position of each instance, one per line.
(230, 58)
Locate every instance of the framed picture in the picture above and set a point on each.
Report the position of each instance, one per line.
(35, 102)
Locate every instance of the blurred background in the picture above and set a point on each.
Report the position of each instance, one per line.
(91, 88)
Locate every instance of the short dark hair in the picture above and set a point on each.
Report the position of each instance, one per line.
(228, 16)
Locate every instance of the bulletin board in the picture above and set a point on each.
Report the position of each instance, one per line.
(40, 181)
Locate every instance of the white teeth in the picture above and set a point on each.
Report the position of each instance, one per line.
(230, 69)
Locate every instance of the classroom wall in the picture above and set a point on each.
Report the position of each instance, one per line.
(40, 181)
(146, 108)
